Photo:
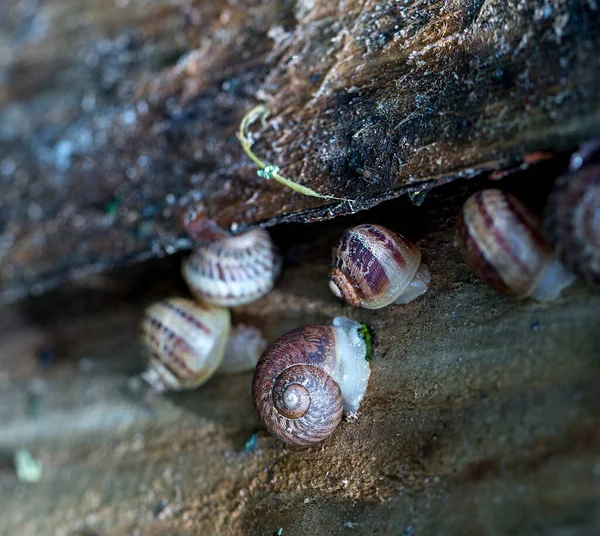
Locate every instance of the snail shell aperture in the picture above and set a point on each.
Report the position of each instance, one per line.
(503, 243)
(374, 267)
(572, 221)
(306, 379)
(234, 270)
(185, 342)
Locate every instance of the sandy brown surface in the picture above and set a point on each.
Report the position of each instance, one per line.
(482, 414)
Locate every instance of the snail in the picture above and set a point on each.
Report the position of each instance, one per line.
(307, 378)
(234, 270)
(374, 267)
(503, 243)
(572, 216)
(188, 342)
(185, 342)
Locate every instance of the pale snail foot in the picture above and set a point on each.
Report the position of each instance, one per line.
(417, 287)
(553, 281)
(353, 370)
(243, 350)
(155, 381)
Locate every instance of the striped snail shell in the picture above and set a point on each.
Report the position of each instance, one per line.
(306, 379)
(374, 267)
(572, 219)
(185, 343)
(234, 270)
(503, 243)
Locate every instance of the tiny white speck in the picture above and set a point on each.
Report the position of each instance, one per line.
(129, 117)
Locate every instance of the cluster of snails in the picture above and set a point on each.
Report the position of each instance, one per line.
(522, 256)
(307, 379)
(186, 340)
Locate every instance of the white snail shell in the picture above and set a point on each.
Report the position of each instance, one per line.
(374, 267)
(234, 270)
(185, 342)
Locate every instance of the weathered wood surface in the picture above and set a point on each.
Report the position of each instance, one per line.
(482, 414)
(115, 115)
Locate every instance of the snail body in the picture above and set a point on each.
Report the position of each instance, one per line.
(244, 347)
(503, 243)
(234, 270)
(308, 378)
(572, 218)
(185, 343)
(374, 267)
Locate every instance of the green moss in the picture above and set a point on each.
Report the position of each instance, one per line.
(367, 336)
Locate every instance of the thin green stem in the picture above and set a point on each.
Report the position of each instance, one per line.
(269, 171)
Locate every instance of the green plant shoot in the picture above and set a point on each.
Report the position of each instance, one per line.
(269, 171)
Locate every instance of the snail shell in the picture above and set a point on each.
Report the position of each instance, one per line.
(185, 342)
(306, 379)
(572, 221)
(503, 243)
(374, 267)
(234, 270)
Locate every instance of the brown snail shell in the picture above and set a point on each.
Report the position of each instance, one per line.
(306, 379)
(185, 343)
(234, 270)
(503, 243)
(374, 267)
(572, 221)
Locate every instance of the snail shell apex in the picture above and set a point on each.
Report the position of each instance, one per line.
(185, 342)
(572, 221)
(306, 379)
(373, 267)
(235, 270)
(503, 243)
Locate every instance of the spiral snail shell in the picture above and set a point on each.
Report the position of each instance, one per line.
(572, 218)
(503, 243)
(234, 270)
(374, 267)
(306, 379)
(185, 343)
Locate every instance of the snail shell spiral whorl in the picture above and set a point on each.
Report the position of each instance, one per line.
(293, 392)
(235, 270)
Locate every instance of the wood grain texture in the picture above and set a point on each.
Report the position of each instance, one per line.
(115, 117)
